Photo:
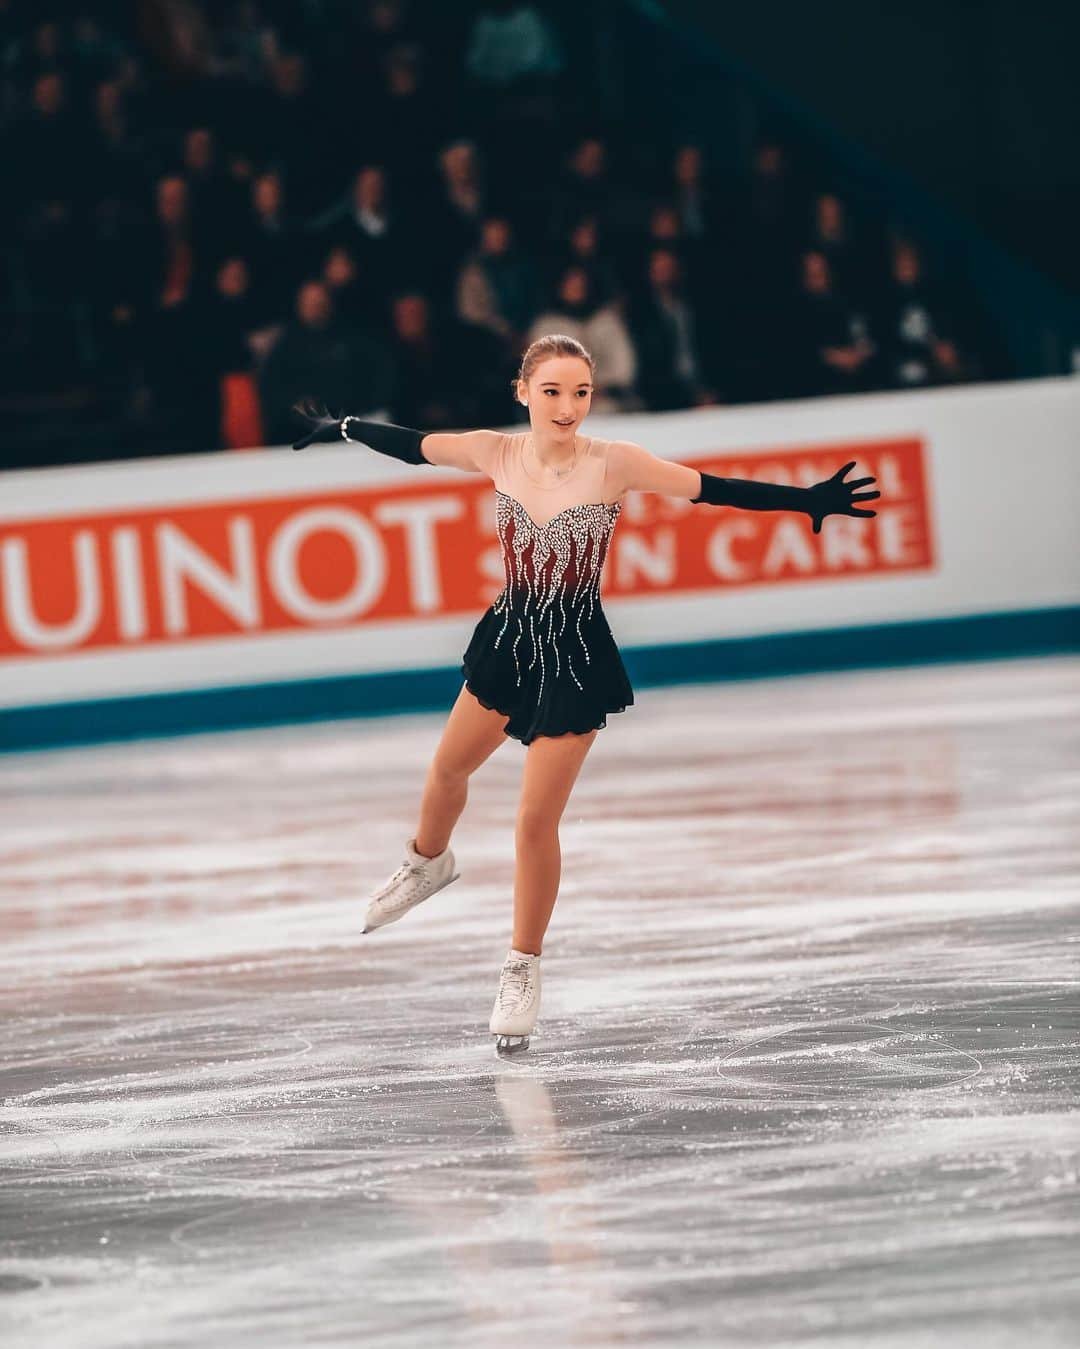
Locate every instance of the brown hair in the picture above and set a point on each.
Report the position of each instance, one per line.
(551, 344)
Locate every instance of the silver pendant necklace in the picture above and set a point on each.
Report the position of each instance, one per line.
(559, 473)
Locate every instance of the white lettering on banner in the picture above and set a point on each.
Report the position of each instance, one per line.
(898, 533)
(890, 479)
(128, 583)
(845, 543)
(789, 548)
(655, 558)
(719, 554)
(422, 558)
(19, 602)
(180, 561)
(285, 573)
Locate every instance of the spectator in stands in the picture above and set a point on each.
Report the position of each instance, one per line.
(273, 244)
(45, 154)
(452, 222)
(586, 247)
(373, 231)
(513, 68)
(602, 331)
(831, 234)
(773, 201)
(586, 186)
(710, 229)
(349, 291)
(410, 117)
(384, 25)
(447, 373)
(693, 196)
(233, 321)
(665, 230)
(917, 331)
(172, 252)
(770, 233)
(180, 380)
(498, 287)
(664, 329)
(114, 150)
(832, 346)
(96, 54)
(47, 149)
(511, 44)
(286, 129)
(216, 199)
(246, 43)
(35, 54)
(319, 357)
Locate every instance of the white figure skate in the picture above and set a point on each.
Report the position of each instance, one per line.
(517, 1002)
(415, 880)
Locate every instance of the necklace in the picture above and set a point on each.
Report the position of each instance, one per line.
(559, 473)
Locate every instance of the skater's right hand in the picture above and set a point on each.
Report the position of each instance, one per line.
(324, 428)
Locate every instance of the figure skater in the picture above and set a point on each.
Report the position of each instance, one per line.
(542, 665)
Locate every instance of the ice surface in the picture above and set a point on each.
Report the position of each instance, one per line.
(806, 1071)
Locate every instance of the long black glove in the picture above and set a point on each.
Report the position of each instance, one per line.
(833, 496)
(402, 442)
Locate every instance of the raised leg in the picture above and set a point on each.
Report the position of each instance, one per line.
(472, 734)
(552, 764)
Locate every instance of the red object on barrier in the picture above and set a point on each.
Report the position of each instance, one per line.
(241, 412)
(173, 574)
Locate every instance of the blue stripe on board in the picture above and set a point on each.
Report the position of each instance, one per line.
(977, 637)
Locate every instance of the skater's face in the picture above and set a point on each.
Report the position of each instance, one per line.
(558, 395)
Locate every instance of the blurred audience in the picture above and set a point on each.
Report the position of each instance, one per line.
(831, 338)
(220, 209)
(577, 311)
(319, 355)
(498, 287)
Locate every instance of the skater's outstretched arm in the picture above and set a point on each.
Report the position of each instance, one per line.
(470, 451)
(638, 470)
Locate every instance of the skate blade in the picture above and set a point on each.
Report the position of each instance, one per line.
(511, 1044)
(456, 876)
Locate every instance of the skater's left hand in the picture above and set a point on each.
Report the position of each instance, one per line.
(834, 497)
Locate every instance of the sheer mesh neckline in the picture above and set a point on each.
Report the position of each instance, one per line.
(583, 454)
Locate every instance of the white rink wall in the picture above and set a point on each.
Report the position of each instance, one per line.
(341, 581)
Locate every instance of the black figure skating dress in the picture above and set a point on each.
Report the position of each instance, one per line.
(543, 654)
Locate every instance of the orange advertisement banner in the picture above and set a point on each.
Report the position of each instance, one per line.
(343, 558)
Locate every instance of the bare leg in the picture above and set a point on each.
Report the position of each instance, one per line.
(472, 734)
(552, 764)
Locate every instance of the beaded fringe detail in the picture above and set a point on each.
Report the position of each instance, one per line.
(552, 579)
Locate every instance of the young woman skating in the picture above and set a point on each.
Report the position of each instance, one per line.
(542, 665)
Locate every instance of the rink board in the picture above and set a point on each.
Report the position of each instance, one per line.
(196, 592)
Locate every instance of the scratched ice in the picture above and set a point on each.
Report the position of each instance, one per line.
(806, 1071)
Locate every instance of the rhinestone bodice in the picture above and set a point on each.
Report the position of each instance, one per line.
(552, 590)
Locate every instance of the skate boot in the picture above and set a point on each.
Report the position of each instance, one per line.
(516, 1003)
(415, 880)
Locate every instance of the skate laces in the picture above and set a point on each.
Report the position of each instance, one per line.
(404, 872)
(514, 983)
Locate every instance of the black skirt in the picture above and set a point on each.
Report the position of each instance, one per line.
(545, 691)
